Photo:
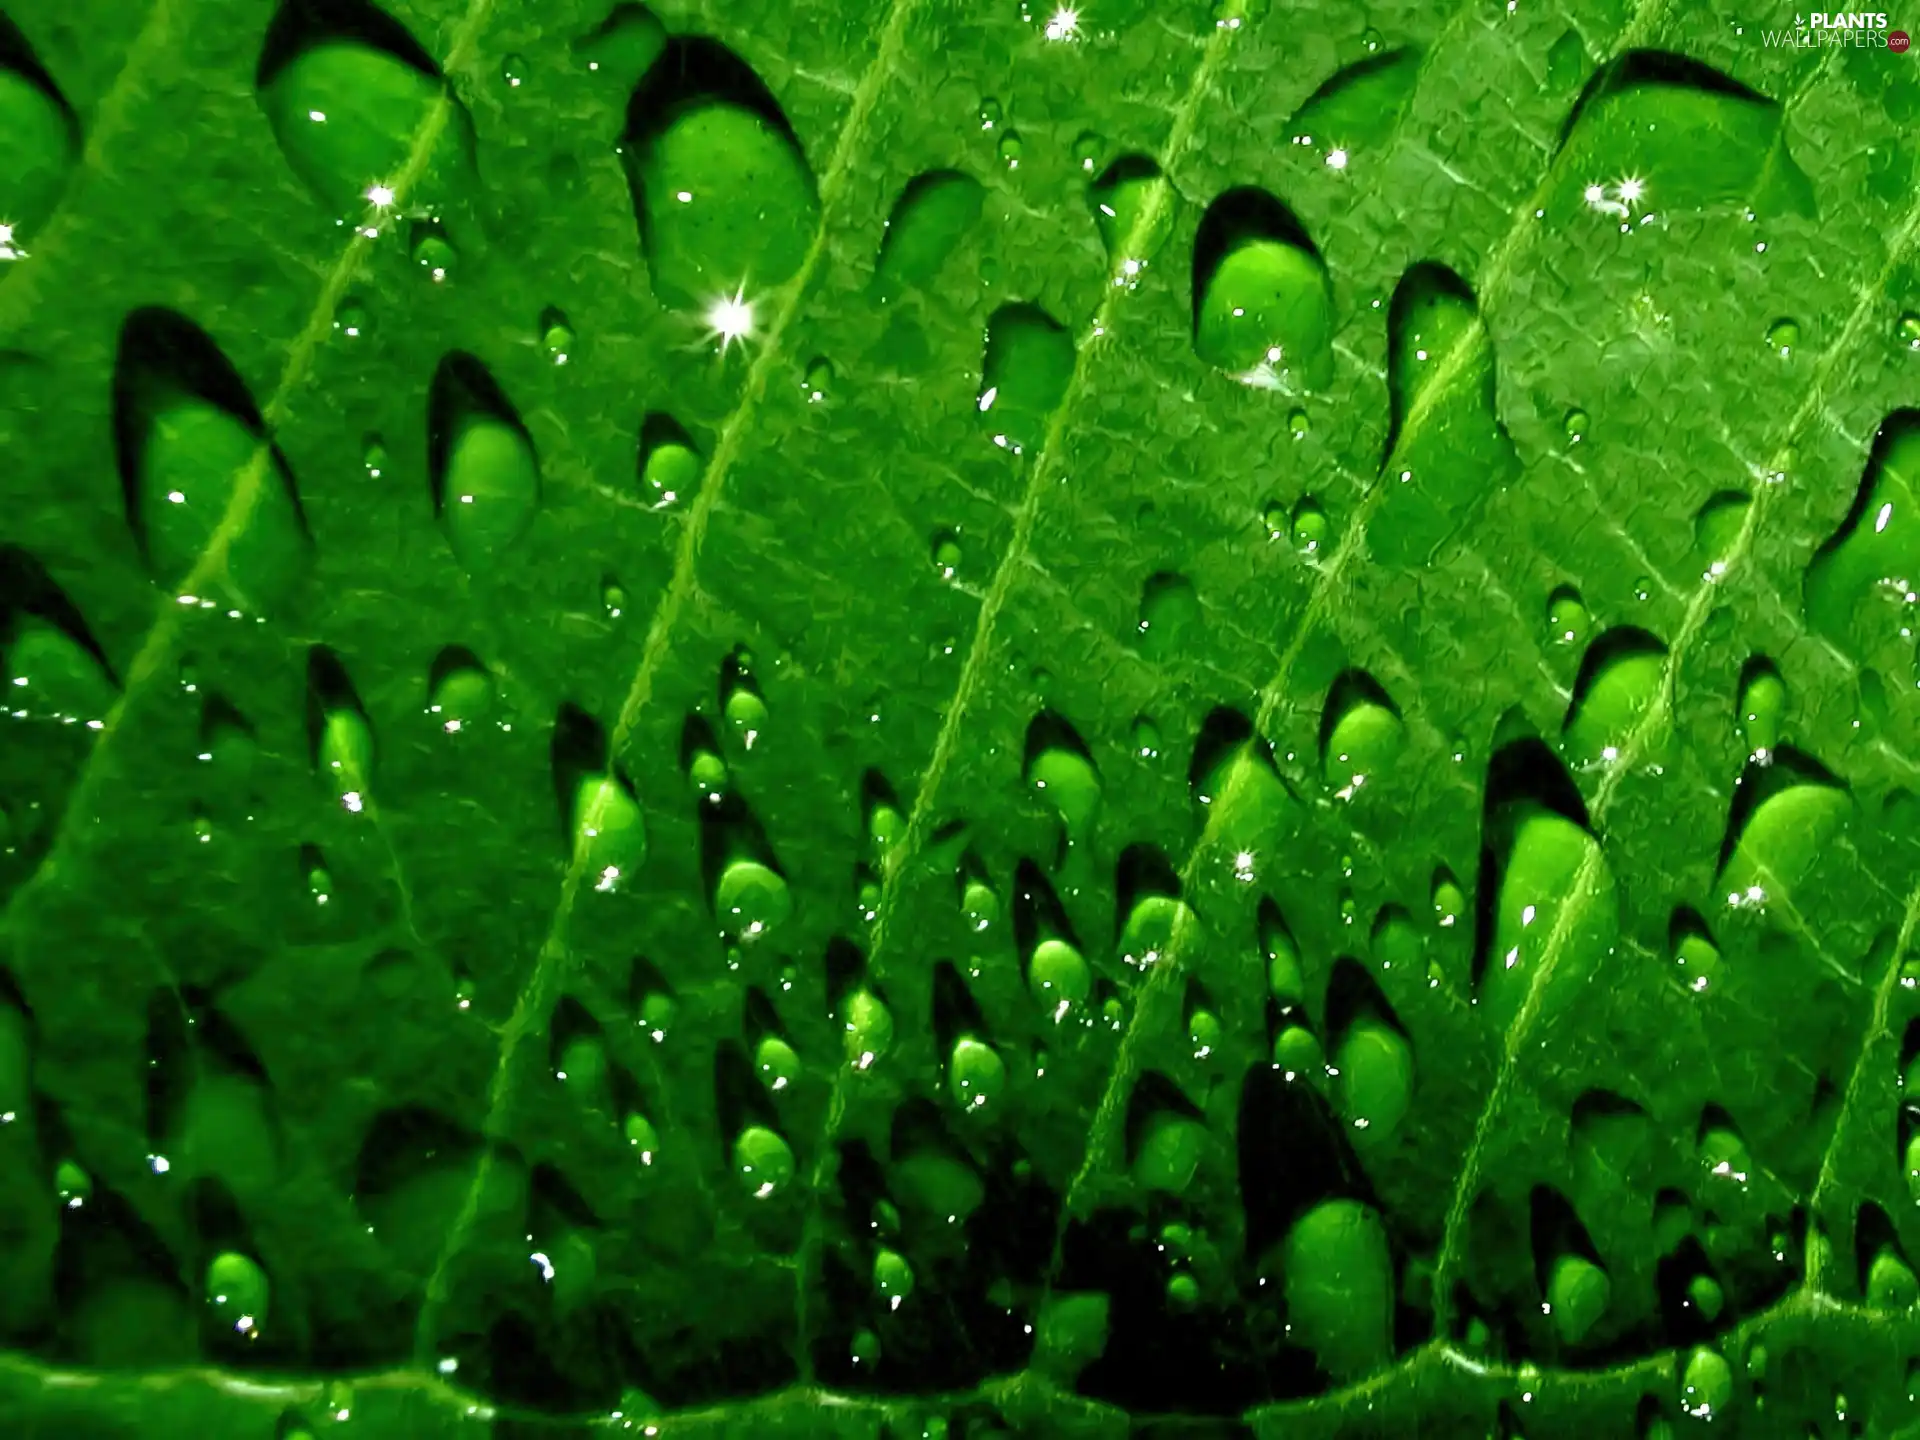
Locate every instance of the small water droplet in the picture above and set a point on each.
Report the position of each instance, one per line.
(43, 141)
(1058, 977)
(1024, 374)
(1309, 527)
(1134, 213)
(1145, 738)
(431, 250)
(613, 598)
(1371, 40)
(556, 336)
(1783, 337)
(946, 554)
(763, 1161)
(990, 113)
(1010, 149)
(1297, 424)
(236, 1293)
(513, 70)
(1087, 150)
(623, 47)
(1706, 1383)
(928, 220)
(1576, 425)
(817, 384)
(1361, 733)
(670, 464)
(486, 478)
(1906, 331)
(1262, 303)
(352, 320)
(976, 1075)
(892, 1277)
(1568, 620)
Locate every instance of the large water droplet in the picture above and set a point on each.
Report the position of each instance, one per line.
(486, 479)
(1706, 1383)
(361, 112)
(623, 47)
(237, 1292)
(976, 1074)
(1371, 1053)
(929, 219)
(1785, 815)
(1578, 1293)
(1339, 1286)
(726, 201)
(1169, 615)
(207, 493)
(867, 1028)
(1262, 305)
(1860, 586)
(1024, 374)
(763, 1161)
(1656, 131)
(1615, 698)
(606, 829)
(1356, 110)
(669, 462)
(42, 142)
(1058, 976)
(1061, 772)
(1716, 531)
(54, 666)
(1557, 903)
(1361, 733)
(1447, 450)
(1134, 212)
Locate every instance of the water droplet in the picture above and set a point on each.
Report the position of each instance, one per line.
(1297, 424)
(208, 495)
(706, 768)
(1309, 527)
(1615, 698)
(1155, 924)
(763, 1161)
(1024, 374)
(886, 820)
(1286, 982)
(1785, 816)
(1568, 620)
(1010, 149)
(1907, 331)
(513, 70)
(607, 830)
(1371, 40)
(642, 1138)
(431, 250)
(556, 336)
(1297, 1052)
(990, 113)
(1058, 977)
(72, 1184)
(319, 882)
(623, 47)
(892, 1277)
(1706, 1383)
(741, 702)
(817, 384)
(1134, 210)
(1167, 1154)
(486, 478)
(1169, 616)
(342, 739)
(1762, 706)
(1643, 588)
(1087, 150)
(979, 906)
(1061, 772)
(236, 1292)
(1576, 425)
(1338, 1277)
(457, 688)
(1556, 892)
(670, 463)
(1449, 901)
(976, 1075)
(1262, 304)
(725, 198)
(1652, 135)
(1695, 956)
(1447, 450)
(1357, 110)
(1783, 337)
(1858, 585)
(776, 1062)
(362, 113)
(353, 320)
(613, 597)
(1145, 738)
(1717, 527)
(1578, 1293)
(57, 673)
(1566, 62)
(1373, 1057)
(43, 141)
(1361, 733)
(929, 219)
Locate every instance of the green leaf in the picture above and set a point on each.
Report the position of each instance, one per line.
(925, 719)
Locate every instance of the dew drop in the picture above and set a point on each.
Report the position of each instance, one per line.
(726, 201)
(613, 597)
(556, 336)
(763, 1161)
(1762, 706)
(1576, 425)
(642, 1138)
(486, 478)
(1297, 424)
(1025, 371)
(740, 700)
(976, 1075)
(1616, 697)
(670, 463)
(431, 250)
(606, 828)
(1058, 976)
(1010, 149)
(1309, 527)
(43, 141)
(353, 320)
(1783, 337)
(1361, 734)
(623, 47)
(1906, 332)
(892, 1277)
(930, 218)
(513, 70)
(1133, 210)
(1717, 528)
(1578, 1293)
(1262, 304)
(361, 111)
(1568, 620)
(1706, 1383)
(1060, 771)
(237, 1292)
(1338, 1276)
(1145, 738)
(1169, 616)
